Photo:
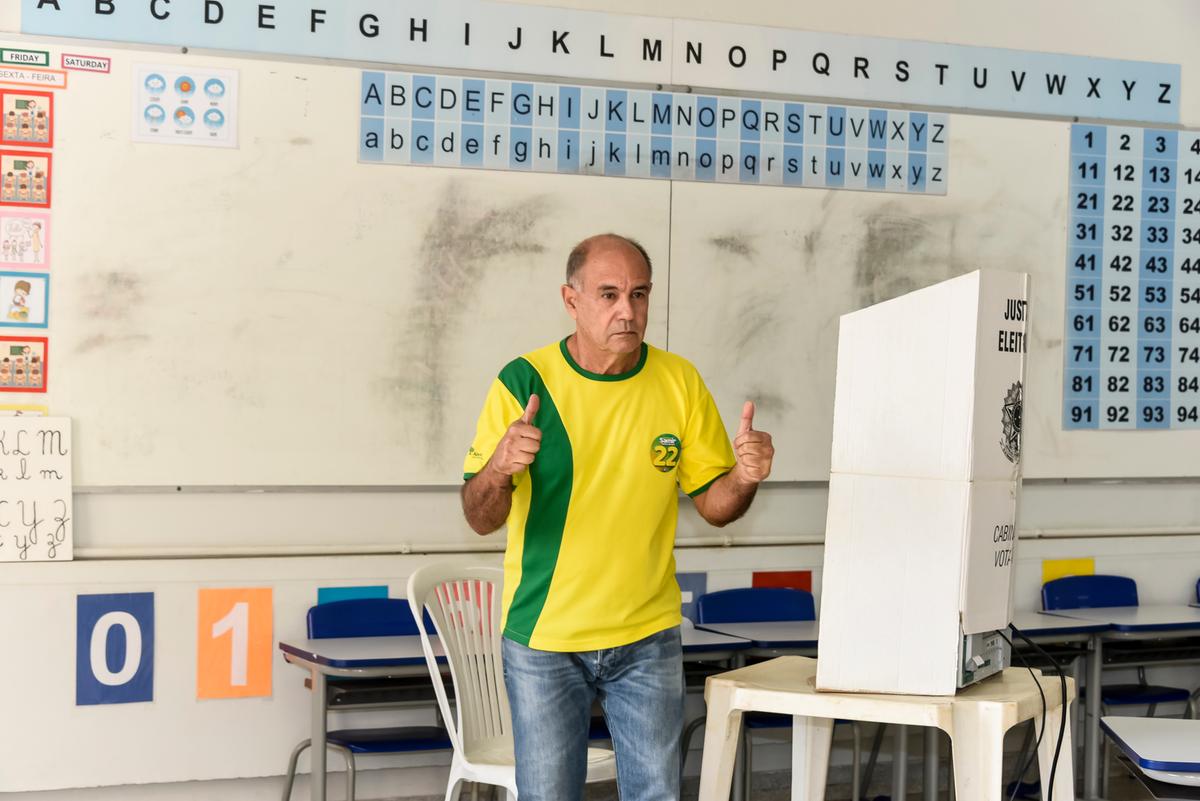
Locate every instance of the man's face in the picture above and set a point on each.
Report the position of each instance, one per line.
(611, 303)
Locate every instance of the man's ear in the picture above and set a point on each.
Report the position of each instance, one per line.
(570, 298)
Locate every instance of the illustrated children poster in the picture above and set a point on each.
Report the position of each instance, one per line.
(35, 489)
(24, 300)
(196, 106)
(24, 239)
(23, 365)
(28, 118)
(24, 179)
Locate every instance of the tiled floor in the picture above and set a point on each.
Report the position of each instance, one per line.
(774, 786)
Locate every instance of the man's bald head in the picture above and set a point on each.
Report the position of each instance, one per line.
(579, 254)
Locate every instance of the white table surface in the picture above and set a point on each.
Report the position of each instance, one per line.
(770, 634)
(787, 685)
(1167, 749)
(360, 652)
(1036, 623)
(1168, 620)
(1137, 617)
(1161, 740)
(698, 638)
(368, 652)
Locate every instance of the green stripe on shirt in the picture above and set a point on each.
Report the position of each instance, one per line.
(551, 476)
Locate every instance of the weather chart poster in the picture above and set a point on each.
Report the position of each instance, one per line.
(185, 107)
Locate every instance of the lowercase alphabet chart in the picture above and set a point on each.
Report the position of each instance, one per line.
(1132, 345)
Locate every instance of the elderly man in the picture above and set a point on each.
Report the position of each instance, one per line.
(582, 448)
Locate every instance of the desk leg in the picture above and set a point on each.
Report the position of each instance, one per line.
(1091, 729)
(1078, 666)
(931, 763)
(317, 751)
(722, 730)
(812, 739)
(977, 751)
(743, 771)
(1064, 774)
(900, 763)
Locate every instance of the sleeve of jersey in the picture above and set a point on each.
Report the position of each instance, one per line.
(499, 410)
(707, 454)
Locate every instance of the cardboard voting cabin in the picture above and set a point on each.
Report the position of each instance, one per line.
(921, 526)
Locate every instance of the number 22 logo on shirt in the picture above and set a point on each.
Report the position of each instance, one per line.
(664, 452)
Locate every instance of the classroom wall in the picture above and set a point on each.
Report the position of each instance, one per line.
(179, 737)
(1002, 213)
(297, 540)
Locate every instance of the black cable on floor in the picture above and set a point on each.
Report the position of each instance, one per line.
(1048, 793)
(1041, 731)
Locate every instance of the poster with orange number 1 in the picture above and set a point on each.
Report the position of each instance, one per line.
(233, 653)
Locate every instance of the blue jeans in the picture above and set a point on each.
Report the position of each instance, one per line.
(639, 686)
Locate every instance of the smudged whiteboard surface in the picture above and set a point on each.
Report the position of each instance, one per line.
(761, 276)
(280, 315)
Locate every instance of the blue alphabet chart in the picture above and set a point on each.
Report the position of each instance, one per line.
(450, 121)
(1132, 345)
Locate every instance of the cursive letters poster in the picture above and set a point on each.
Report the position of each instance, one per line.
(35, 489)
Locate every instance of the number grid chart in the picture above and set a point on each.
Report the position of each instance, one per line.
(1132, 344)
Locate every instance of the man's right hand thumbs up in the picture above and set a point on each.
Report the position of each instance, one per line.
(520, 444)
(531, 409)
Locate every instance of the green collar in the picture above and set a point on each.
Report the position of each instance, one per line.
(637, 368)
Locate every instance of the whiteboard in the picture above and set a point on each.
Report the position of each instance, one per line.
(761, 276)
(280, 315)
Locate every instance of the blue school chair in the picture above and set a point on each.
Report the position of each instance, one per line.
(755, 604)
(367, 617)
(1098, 592)
(762, 604)
(1089, 592)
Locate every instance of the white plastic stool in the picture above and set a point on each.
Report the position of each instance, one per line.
(976, 720)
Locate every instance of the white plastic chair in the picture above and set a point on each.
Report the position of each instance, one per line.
(465, 606)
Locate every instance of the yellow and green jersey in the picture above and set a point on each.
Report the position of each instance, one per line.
(590, 560)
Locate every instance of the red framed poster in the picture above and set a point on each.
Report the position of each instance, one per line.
(23, 364)
(25, 179)
(26, 118)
